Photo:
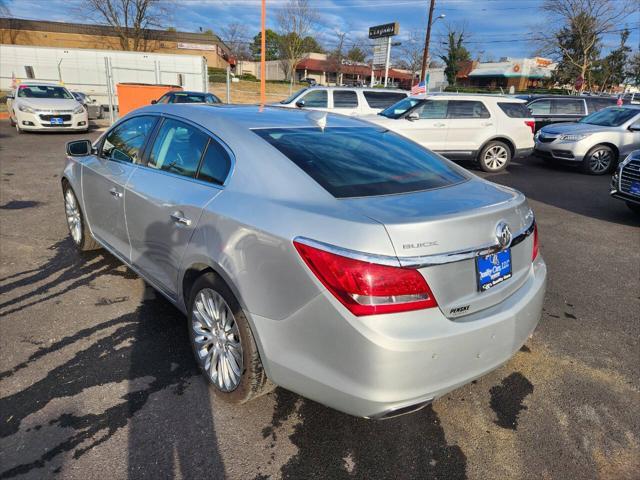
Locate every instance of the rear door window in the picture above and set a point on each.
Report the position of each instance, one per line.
(362, 161)
(345, 99)
(126, 140)
(514, 110)
(315, 99)
(382, 99)
(178, 148)
(215, 164)
(567, 106)
(467, 109)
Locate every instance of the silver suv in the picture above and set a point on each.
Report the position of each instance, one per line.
(316, 252)
(595, 143)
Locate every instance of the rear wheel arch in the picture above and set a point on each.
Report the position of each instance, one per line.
(507, 141)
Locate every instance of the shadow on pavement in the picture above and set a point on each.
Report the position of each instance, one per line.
(147, 348)
(334, 445)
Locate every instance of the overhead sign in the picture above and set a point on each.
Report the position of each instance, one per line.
(196, 46)
(380, 51)
(386, 30)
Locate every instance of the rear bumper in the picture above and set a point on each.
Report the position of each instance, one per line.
(523, 152)
(369, 366)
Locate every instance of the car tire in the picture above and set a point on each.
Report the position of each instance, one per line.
(634, 207)
(18, 129)
(80, 234)
(599, 160)
(12, 122)
(215, 337)
(494, 157)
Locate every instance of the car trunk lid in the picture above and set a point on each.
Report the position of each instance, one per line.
(426, 227)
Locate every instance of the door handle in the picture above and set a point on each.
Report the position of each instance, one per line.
(115, 193)
(177, 217)
(439, 124)
(487, 124)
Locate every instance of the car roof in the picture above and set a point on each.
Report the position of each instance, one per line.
(469, 96)
(368, 89)
(187, 92)
(38, 82)
(228, 118)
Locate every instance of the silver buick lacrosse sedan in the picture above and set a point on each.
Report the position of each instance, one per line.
(313, 251)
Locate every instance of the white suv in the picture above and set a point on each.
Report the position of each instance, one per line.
(345, 100)
(491, 129)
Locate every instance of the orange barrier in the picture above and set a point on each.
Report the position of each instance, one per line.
(136, 95)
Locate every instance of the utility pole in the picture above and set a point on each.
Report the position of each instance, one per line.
(425, 54)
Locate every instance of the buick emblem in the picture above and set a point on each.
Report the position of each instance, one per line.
(503, 234)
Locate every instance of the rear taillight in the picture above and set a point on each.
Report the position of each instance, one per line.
(531, 124)
(534, 251)
(368, 288)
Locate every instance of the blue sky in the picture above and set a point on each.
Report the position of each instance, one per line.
(497, 28)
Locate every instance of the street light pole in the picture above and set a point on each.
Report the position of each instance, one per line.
(425, 54)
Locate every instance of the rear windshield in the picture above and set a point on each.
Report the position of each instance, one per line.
(362, 161)
(611, 117)
(382, 99)
(514, 110)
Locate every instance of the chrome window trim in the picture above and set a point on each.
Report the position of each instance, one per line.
(423, 260)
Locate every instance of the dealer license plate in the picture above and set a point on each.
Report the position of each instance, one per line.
(493, 269)
(56, 121)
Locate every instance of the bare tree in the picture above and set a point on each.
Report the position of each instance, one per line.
(411, 51)
(130, 19)
(4, 8)
(577, 27)
(338, 54)
(296, 20)
(234, 35)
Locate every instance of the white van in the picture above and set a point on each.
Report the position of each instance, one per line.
(345, 100)
(491, 129)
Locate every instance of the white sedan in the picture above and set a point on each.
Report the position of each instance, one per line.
(45, 106)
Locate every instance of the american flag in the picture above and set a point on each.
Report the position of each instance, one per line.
(419, 88)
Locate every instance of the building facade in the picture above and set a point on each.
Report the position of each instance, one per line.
(15, 31)
(520, 73)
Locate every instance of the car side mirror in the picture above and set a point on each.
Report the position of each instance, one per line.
(413, 116)
(79, 148)
(634, 128)
(153, 102)
(300, 103)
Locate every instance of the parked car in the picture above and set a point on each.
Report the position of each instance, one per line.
(549, 109)
(490, 129)
(94, 109)
(309, 81)
(595, 143)
(187, 97)
(345, 100)
(625, 183)
(40, 106)
(370, 274)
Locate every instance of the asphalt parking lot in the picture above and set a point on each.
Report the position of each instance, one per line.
(97, 378)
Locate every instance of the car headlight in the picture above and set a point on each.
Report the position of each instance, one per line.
(576, 137)
(78, 109)
(26, 109)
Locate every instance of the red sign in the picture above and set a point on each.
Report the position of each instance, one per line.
(579, 82)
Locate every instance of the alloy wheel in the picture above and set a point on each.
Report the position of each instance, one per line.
(600, 161)
(495, 157)
(217, 340)
(73, 216)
